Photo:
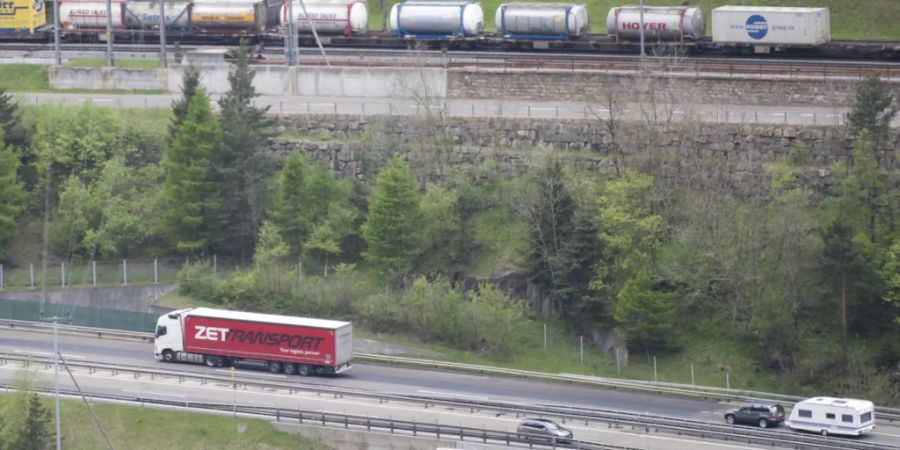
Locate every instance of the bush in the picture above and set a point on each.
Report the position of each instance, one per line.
(196, 279)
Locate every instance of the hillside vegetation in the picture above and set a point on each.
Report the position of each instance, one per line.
(850, 19)
(690, 269)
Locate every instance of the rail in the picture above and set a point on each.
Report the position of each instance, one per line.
(705, 392)
(347, 421)
(766, 69)
(645, 422)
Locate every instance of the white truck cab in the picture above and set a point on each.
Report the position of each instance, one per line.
(169, 337)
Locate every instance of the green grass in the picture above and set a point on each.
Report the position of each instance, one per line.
(24, 78)
(122, 63)
(501, 241)
(146, 428)
(850, 19)
(177, 300)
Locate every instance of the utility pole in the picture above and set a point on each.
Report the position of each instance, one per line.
(643, 54)
(162, 34)
(56, 50)
(291, 57)
(109, 34)
(56, 320)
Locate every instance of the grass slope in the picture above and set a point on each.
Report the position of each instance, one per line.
(850, 19)
(136, 428)
(121, 63)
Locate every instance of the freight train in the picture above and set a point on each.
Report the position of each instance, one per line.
(452, 24)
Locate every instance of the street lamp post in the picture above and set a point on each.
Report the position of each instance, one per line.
(56, 320)
(56, 50)
(642, 36)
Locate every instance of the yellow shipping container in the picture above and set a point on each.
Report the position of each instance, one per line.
(21, 15)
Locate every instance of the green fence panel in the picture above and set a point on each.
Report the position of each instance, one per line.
(78, 315)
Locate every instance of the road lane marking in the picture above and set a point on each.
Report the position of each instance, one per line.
(154, 393)
(29, 352)
(477, 397)
(808, 114)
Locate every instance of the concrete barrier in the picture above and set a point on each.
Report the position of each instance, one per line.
(367, 82)
(108, 78)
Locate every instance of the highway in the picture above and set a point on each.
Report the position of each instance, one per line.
(733, 114)
(384, 380)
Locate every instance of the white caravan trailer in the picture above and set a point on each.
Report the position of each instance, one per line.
(829, 415)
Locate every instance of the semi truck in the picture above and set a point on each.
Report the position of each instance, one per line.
(293, 345)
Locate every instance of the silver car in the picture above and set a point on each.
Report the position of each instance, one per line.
(544, 429)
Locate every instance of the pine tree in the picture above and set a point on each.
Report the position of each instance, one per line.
(11, 126)
(11, 193)
(191, 193)
(246, 164)
(292, 202)
(645, 314)
(37, 434)
(190, 82)
(391, 230)
(873, 109)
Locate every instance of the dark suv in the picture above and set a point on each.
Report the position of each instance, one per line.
(544, 429)
(763, 415)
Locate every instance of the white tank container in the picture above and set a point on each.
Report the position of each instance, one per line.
(762, 25)
(90, 15)
(145, 15)
(212, 15)
(329, 18)
(537, 20)
(437, 18)
(661, 23)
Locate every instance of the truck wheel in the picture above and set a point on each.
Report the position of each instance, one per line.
(303, 370)
(212, 361)
(168, 356)
(274, 367)
(290, 369)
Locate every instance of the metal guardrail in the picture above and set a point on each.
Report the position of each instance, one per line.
(669, 425)
(348, 421)
(705, 392)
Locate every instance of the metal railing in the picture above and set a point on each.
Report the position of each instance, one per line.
(705, 392)
(638, 422)
(350, 422)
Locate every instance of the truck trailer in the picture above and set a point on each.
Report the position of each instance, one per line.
(293, 345)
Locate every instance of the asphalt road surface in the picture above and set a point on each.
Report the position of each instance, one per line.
(733, 114)
(384, 379)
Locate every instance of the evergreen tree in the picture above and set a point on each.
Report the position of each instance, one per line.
(14, 131)
(392, 228)
(191, 193)
(292, 202)
(11, 193)
(190, 82)
(246, 164)
(873, 109)
(36, 435)
(646, 315)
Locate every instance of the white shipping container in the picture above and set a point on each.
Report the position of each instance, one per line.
(767, 25)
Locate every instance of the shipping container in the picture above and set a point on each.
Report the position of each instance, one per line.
(661, 23)
(18, 16)
(91, 15)
(144, 15)
(215, 16)
(769, 26)
(283, 343)
(542, 20)
(436, 19)
(347, 17)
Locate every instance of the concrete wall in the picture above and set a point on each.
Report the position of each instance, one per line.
(108, 78)
(125, 298)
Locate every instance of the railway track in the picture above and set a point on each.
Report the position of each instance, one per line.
(760, 68)
(588, 416)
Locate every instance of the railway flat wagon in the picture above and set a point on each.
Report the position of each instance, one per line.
(766, 26)
(21, 16)
(542, 20)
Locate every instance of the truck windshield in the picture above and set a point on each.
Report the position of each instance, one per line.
(160, 331)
